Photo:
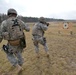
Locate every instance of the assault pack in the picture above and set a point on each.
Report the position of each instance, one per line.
(14, 33)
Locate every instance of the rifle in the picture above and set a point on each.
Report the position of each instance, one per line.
(46, 23)
(5, 49)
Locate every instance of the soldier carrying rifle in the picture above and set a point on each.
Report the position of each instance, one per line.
(38, 35)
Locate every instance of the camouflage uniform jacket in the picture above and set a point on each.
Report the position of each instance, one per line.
(39, 29)
(5, 24)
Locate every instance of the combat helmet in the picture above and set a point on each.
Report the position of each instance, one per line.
(42, 19)
(11, 11)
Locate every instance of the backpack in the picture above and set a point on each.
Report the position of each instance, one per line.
(14, 30)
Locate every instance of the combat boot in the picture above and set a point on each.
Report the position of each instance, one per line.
(37, 55)
(19, 68)
(47, 54)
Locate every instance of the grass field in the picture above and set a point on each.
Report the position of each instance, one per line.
(62, 50)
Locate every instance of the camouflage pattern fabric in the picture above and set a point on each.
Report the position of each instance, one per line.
(14, 54)
(38, 36)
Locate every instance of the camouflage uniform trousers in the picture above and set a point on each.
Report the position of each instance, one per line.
(42, 40)
(15, 55)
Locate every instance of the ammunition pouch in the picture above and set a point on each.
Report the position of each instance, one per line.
(23, 42)
(14, 42)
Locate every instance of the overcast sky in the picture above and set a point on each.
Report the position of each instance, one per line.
(60, 9)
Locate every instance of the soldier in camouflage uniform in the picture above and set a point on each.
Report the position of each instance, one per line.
(38, 35)
(13, 36)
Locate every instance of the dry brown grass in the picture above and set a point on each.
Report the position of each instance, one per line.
(62, 60)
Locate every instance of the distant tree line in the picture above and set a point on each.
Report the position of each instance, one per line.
(3, 17)
(28, 19)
